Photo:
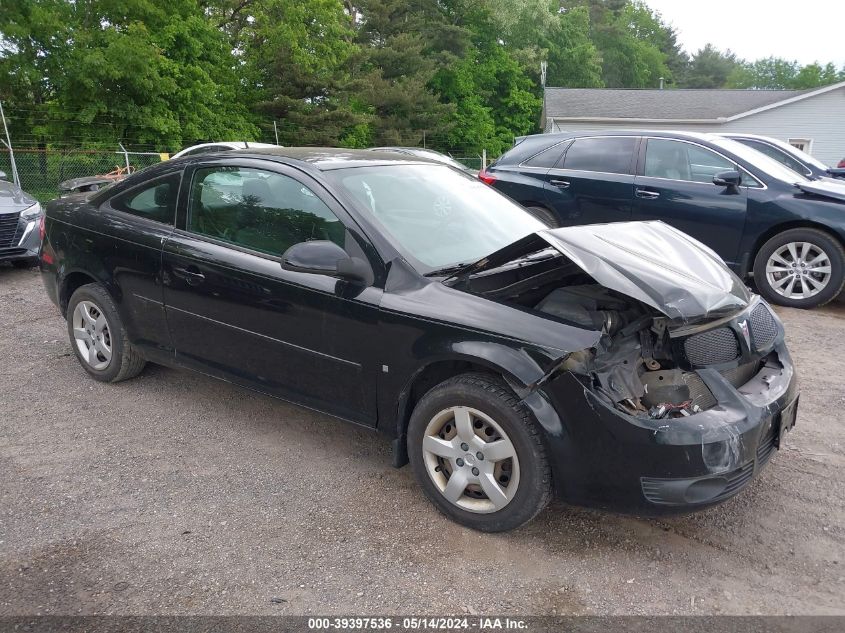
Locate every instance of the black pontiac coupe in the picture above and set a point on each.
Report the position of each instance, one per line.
(617, 365)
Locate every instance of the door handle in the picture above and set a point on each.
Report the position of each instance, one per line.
(191, 275)
(646, 194)
(563, 184)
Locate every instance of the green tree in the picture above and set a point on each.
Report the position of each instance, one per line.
(296, 58)
(775, 73)
(142, 71)
(710, 68)
(629, 38)
(574, 61)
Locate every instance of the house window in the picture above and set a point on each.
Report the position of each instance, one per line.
(803, 144)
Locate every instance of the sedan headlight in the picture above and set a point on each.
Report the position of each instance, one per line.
(30, 213)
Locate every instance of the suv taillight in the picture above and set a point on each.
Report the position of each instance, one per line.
(41, 230)
(485, 177)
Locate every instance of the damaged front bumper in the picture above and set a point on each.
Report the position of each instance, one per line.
(604, 457)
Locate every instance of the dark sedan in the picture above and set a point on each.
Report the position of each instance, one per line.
(618, 365)
(762, 218)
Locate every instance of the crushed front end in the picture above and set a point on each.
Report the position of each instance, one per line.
(689, 387)
(662, 418)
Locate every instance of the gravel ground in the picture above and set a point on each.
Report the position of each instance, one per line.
(177, 494)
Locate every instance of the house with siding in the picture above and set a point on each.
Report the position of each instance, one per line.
(812, 120)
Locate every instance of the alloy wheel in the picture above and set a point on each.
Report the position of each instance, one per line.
(471, 460)
(92, 335)
(798, 270)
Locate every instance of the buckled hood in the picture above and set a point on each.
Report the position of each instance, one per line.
(648, 261)
(828, 188)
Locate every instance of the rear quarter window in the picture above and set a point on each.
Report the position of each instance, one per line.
(608, 154)
(154, 200)
(548, 157)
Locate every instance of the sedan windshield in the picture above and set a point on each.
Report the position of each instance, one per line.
(763, 163)
(436, 216)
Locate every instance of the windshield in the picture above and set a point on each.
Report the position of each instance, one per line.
(437, 217)
(769, 166)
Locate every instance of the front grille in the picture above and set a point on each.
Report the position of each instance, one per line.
(712, 347)
(8, 229)
(665, 491)
(737, 480)
(766, 447)
(763, 327)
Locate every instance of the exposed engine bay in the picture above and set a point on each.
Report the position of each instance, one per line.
(637, 367)
(632, 365)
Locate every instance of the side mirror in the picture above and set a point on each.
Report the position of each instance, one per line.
(322, 257)
(3, 175)
(727, 179)
(836, 172)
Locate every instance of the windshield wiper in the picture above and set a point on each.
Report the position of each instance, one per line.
(447, 271)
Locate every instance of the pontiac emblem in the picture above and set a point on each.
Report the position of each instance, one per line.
(743, 326)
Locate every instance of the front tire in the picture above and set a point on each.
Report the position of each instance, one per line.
(98, 337)
(800, 268)
(477, 454)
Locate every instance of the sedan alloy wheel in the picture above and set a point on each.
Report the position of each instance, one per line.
(92, 335)
(798, 270)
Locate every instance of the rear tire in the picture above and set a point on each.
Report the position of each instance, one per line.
(800, 268)
(473, 432)
(98, 337)
(544, 215)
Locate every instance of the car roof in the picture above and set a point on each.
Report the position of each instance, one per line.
(743, 135)
(328, 158)
(680, 134)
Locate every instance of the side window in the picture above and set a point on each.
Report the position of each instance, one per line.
(260, 210)
(609, 154)
(676, 160)
(154, 201)
(548, 157)
(779, 155)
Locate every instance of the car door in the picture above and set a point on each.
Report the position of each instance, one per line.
(234, 312)
(594, 180)
(675, 185)
(131, 227)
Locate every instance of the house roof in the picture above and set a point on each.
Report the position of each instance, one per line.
(664, 105)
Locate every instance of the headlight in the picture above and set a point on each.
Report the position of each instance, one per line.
(30, 213)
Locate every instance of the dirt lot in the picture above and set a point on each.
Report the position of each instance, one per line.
(174, 493)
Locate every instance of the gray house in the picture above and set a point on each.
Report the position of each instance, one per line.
(813, 120)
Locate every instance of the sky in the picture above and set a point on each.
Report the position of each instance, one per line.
(809, 31)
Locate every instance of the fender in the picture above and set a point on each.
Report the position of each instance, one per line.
(521, 367)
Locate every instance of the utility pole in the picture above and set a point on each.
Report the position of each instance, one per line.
(8, 143)
(276, 130)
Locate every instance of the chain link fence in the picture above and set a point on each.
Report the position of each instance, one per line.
(41, 170)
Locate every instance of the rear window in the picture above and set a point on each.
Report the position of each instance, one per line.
(609, 154)
(547, 158)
